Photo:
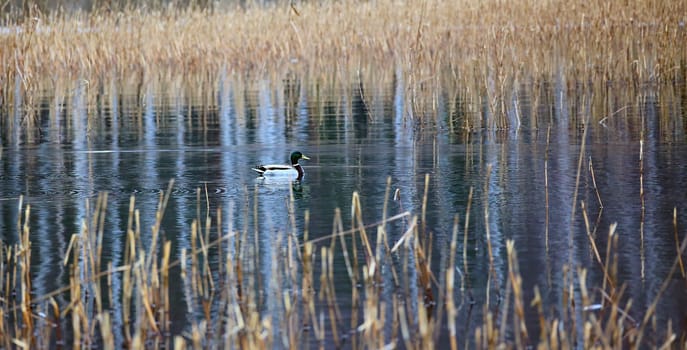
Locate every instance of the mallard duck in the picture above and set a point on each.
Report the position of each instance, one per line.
(294, 170)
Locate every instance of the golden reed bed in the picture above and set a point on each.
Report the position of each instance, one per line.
(617, 40)
(479, 50)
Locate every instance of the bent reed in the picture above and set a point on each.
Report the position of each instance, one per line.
(481, 50)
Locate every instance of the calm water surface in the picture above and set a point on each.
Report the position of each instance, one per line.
(209, 152)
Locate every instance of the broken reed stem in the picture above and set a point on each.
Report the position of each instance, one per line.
(545, 332)
(338, 228)
(593, 244)
(609, 244)
(596, 188)
(383, 239)
(357, 218)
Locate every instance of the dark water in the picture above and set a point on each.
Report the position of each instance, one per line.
(127, 149)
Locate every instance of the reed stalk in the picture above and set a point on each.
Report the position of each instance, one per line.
(225, 304)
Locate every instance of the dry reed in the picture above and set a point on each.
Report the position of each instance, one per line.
(484, 53)
(226, 299)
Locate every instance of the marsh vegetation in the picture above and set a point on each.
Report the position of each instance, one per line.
(484, 174)
(484, 53)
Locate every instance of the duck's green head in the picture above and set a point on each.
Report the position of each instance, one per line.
(296, 156)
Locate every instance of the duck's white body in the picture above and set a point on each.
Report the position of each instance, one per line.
(285, 171)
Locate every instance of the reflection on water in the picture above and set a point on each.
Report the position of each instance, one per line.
(356, 142)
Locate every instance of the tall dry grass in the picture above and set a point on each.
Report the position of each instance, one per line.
(482, 50)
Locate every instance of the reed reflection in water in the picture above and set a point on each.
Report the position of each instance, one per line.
(524, 182)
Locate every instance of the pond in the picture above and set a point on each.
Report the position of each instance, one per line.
(524, 183)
